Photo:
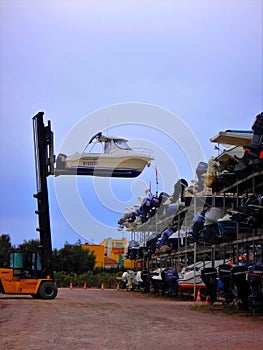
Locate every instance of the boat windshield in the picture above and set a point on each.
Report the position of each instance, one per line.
(107, 147)
(122, 144)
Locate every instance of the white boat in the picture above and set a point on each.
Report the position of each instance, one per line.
(233, 137)
(117, 159)
(190, 276)
(230, 154)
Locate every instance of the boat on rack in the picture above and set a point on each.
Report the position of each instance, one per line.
(190, 276)
(117, 159)
(233, 137)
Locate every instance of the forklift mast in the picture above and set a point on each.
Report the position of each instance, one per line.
(44, 164)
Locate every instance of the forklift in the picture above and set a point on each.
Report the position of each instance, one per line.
(31, 272)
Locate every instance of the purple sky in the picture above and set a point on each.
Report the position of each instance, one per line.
(199, 60)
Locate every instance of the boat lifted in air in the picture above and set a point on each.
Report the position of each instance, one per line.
(117, 159)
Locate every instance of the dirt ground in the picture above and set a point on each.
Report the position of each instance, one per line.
(109, 319)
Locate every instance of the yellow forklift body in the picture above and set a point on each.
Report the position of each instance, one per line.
(18, 285)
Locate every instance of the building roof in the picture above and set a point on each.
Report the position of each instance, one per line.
(109, 261)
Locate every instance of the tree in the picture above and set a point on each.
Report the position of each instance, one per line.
(31, 245)
(73, 258)
(5, 246)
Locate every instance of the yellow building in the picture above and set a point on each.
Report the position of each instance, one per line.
(109, 243)
(114, 249)
(98, 252)
(110, 250)
(129, 264)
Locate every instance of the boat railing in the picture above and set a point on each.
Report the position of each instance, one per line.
(146, 151)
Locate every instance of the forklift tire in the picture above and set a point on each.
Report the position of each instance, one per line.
(48, 290)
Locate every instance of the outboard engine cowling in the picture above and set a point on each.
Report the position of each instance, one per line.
(239, 274)
(133, 249)
(209, 277)
(171, 282)
(146, 278)
(224, 274)
(255, 279)
(256, 145)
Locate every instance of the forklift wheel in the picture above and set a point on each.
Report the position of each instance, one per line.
(48, 290)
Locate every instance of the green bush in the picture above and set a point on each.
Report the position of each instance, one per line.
(92, 280)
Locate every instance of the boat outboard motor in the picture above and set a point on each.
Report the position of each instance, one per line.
(157, 281)
(163, 198)
(146, 280)
(145, 209)
(141, 251)
(171, 282)
(256, 214)
(210, 230)
(179, 188)
(256, 145)
(209, 277)
(255, 279)
(248, 214)
(61, 161)
(132, 217)
(200, 171)
(165, 234)
(155, 204)
(151, 243)
(133, 250)
(224, 274)
(210, 233)
(198, 225)
(238, 275)
(178, 238)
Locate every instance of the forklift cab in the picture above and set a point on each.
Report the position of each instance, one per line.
(25, 264)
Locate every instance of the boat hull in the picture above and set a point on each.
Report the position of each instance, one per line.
(101, 165)
(232, 228)
(186, 286)
(233, 137)
(101, 172)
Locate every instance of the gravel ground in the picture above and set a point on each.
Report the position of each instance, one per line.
(109, 319)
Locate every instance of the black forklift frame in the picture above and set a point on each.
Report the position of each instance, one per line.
(44, 164)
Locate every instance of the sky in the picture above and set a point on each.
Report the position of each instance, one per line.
(167, 75)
